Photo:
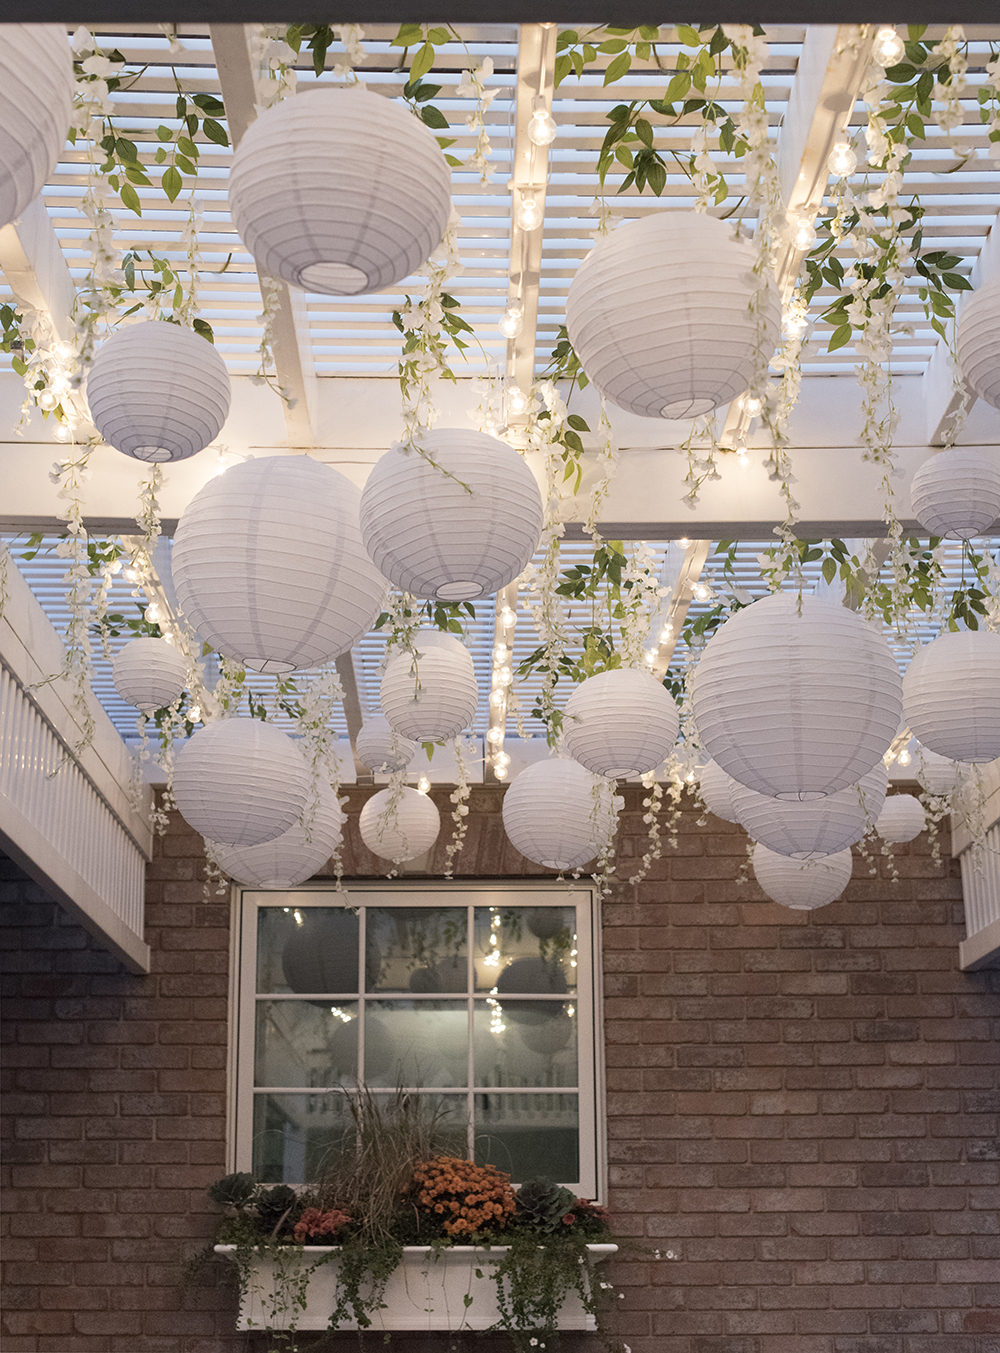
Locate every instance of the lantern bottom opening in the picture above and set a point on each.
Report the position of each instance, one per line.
(333, 279)
(152, 455)
(687, 408)
(800, 796)
(459, 591)
(268, 665)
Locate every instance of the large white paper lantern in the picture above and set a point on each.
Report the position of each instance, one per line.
(340, 191)
(956, 493)
(659, 313)
(399, 824)
(802, 885)
(158, 392)
(269, 567)
(292, 857)
(951, 695)
(241, 782)
(430, 694)
(620, 723)
(36, 100)
(715, 787)
(149, 673)
(902, 818)
(939, 775)
(797, 698)
(457, 532)
(804, 829)
(381, 749)
(559, 815)
(977, 340)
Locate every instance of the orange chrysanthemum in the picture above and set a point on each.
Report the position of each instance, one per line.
(473, 1197)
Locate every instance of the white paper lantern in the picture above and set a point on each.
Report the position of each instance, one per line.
(149, 673)
(158, 392)
(457, 532)
(241, 782)
(431, 694)
(939, 775)
(714, 786)
(399, 824)
(797, 700)
(659, 315)
(812, 827)
(382, 750)
(951, 695)
(340, 191)
(269, 567)
(292, 857)
(560, 815)
(956, 493)
(977, 340)
(36, 100)
(620, 723)
(902, 818)
(802, 885)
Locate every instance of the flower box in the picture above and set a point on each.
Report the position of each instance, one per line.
(427, 1291)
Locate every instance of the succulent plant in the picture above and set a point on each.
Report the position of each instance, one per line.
(276, 1205)
(233, 1192)
(542, 1205)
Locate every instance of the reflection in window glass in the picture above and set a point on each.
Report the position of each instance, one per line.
(293, 1135)
(536, 1044)
(416, 1043)
(525, 949)
(307, 949)
(529, 1135)
(306, 1043)
(419, 949)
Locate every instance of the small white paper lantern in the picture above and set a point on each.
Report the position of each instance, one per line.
(457, 532)
(340, 191)
(977, 341)
(269, 567)
(399, 824)
(620, 723)
(797, 700)
(939, 775)
(292, 857)
(559, 815)
(902, 818)
(241, 782)
(956, 493)
(158, 392)
(382, 750)
(802, 885)
(36, 100)
(951, 695)
(715, 786)
(431, 694)
(149, 673)
(659, 313)
(808, 828)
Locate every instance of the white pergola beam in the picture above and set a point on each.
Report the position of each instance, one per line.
(672, 620)
(32, 261)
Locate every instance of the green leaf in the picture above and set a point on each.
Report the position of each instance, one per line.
(688, 35)
(422, 62)
(164, 133)
(438, 36)
(433, 117)
(613, 47)
(215, 131)
(678, 87)
(829, 570)
(575, 421)
(644, 132)
(202, 327)
(408, 36)
(185, 165)
(171, 183)
(915, 126)
(209, 105)
(617, 68)
(130, 198)
(839, 337)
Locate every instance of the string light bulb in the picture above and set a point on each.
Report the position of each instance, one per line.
(905, 758)
(842, 160)
(500, 772)
(742, 459)
(517, 400)
(63, 432)
(47, 401)
(529, 214)
(543, 128)
(888, 46)
(805, 233)
(683, 542)
(507, 617)
(702, 591)
(423, 785)
(752, 405)
(511, 322)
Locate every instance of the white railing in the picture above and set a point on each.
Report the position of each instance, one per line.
(75, 823)
(980, 861)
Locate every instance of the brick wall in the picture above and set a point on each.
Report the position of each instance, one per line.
(802, 1107)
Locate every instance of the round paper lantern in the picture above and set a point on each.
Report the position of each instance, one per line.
(715, 786)
(36, 100)
(977, 340)
(158, 392)
(902, 818)
(797, 698)
(241, 782)
(939, 775)
(802, 885)
(321, 954)
(951, 695)
(382, 750)
(659, 313)
(559, 815)
(956, 493)
(431, 694)
(149, 673)
(402, 827)
(269, 567)
(536, 975)
(457, 532)
(292, 857)
(340, 191)
(620, 723)
(803, 829)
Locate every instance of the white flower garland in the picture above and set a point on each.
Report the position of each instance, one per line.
(472, 86)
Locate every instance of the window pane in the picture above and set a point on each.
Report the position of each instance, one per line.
(533, 1044)
(416, 1043)
(309, 1043)
(525, 949)
(294, 1135)
(416, 949)
(307, 949)
(529, 1135)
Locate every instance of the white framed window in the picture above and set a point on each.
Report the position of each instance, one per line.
(482, 996)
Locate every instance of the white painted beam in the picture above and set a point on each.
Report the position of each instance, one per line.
(671, 619)
(33, 263)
